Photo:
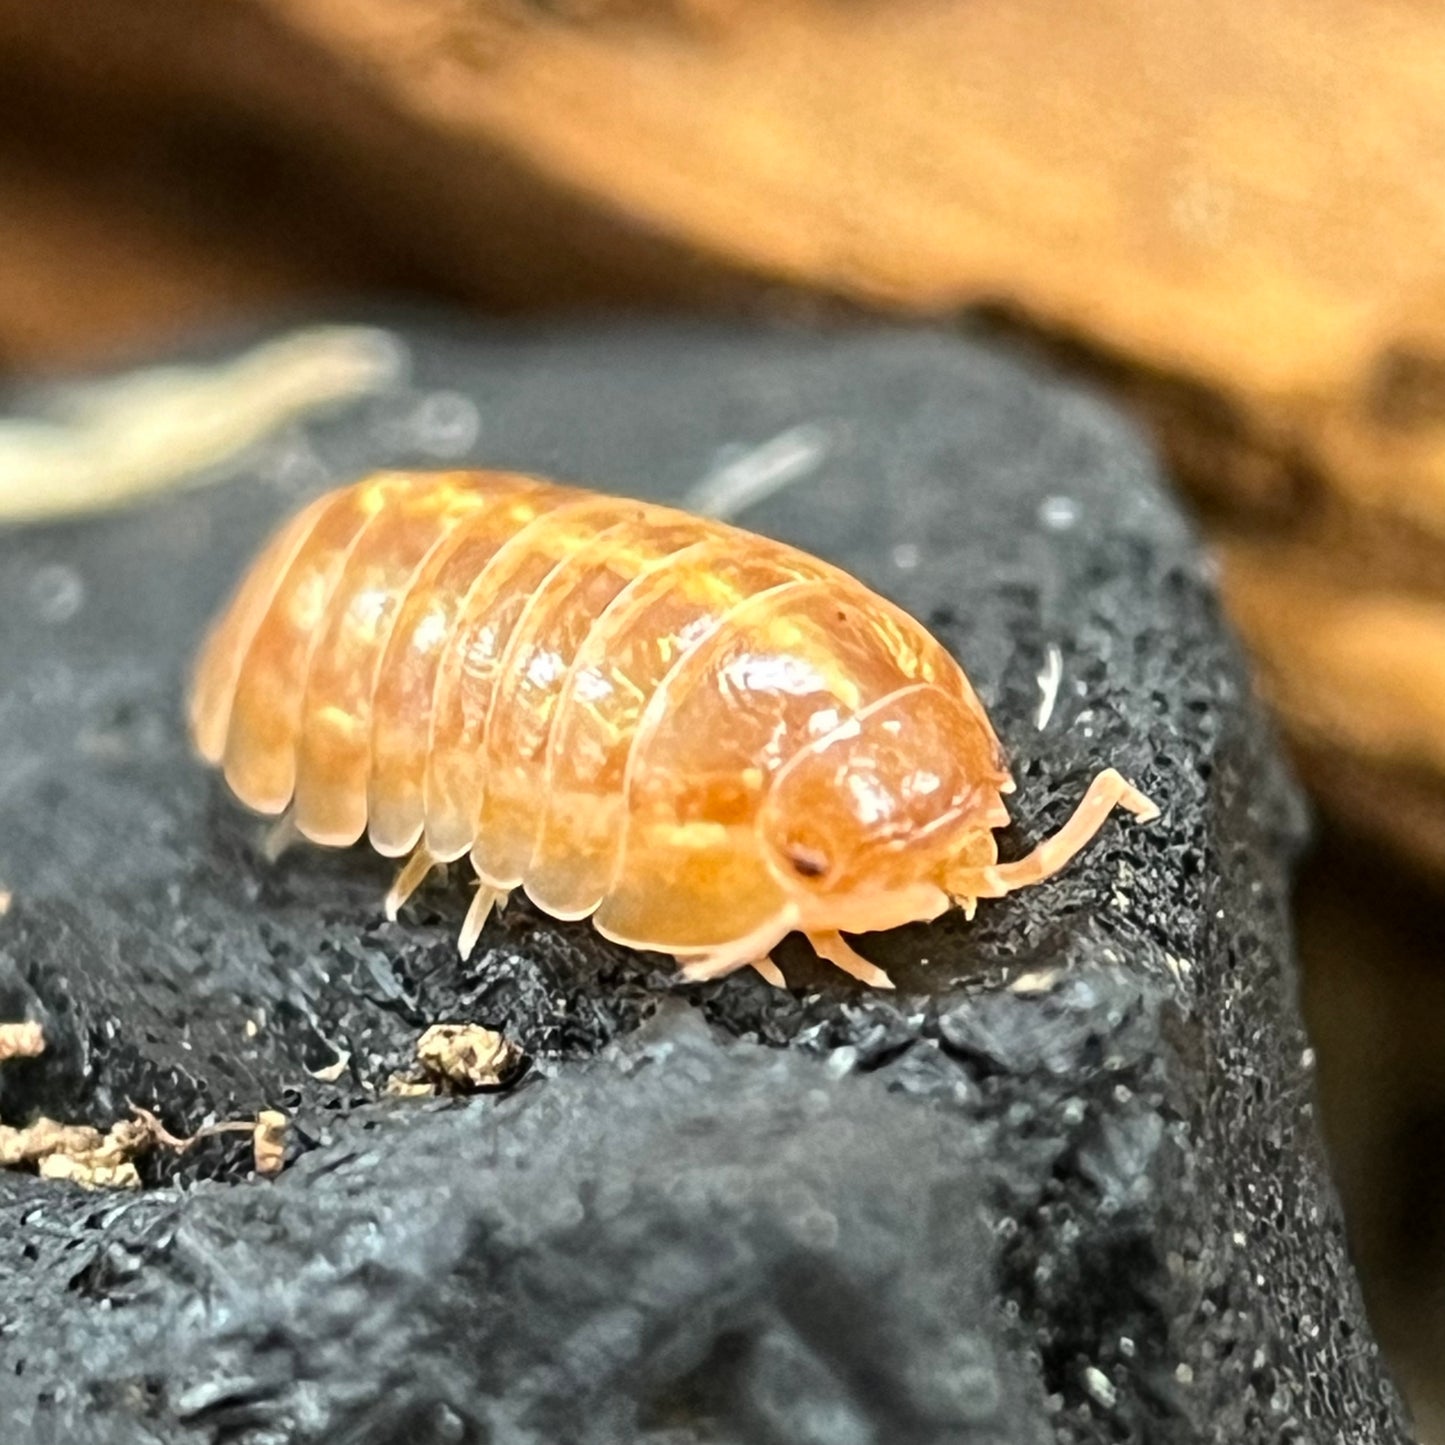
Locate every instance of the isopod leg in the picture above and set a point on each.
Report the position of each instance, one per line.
(770, 971)
(837, 951)
(483, 901)
(698, 968)
(280, 836)
(410, 876)
(1107, 792)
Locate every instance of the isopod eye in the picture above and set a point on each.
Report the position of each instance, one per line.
(808, 862)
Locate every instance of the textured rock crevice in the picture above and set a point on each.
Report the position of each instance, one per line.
(1063, 1186)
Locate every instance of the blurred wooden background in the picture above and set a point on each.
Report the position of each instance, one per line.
(1230, 212)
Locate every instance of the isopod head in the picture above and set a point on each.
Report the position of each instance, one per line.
(867, 827)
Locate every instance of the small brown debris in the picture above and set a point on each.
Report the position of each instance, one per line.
(153, 1131)
(457, 1059)
(127, 1139)
(466, 1056)
(77, 1152)
(268, 1141)
(45, 1136)
(83, 1155)
(89, 1172)
(22, 1040)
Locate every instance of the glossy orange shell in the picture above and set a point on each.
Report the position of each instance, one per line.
(590, 695)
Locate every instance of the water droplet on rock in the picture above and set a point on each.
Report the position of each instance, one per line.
(1058, 514)
(55, 593)
(446, 423)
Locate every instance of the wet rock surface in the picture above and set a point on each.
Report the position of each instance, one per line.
(1063, 1185)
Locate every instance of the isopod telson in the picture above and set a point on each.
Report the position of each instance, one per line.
(702, 739)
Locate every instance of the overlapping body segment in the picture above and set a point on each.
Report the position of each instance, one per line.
(406, 682)
(631, 661)
(701, 737)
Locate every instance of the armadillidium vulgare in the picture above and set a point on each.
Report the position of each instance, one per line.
(701, 739)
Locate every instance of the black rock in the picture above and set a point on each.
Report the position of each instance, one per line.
(1063, 1185)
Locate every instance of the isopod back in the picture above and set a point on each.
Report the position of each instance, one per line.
(698, 738)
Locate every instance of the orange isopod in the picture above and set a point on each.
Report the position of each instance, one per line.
(701, 739)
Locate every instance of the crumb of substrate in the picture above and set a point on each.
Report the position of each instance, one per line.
(21, 1041)
(268, 1142)
(466, 1056)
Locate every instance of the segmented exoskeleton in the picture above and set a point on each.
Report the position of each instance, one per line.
(699, 738)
